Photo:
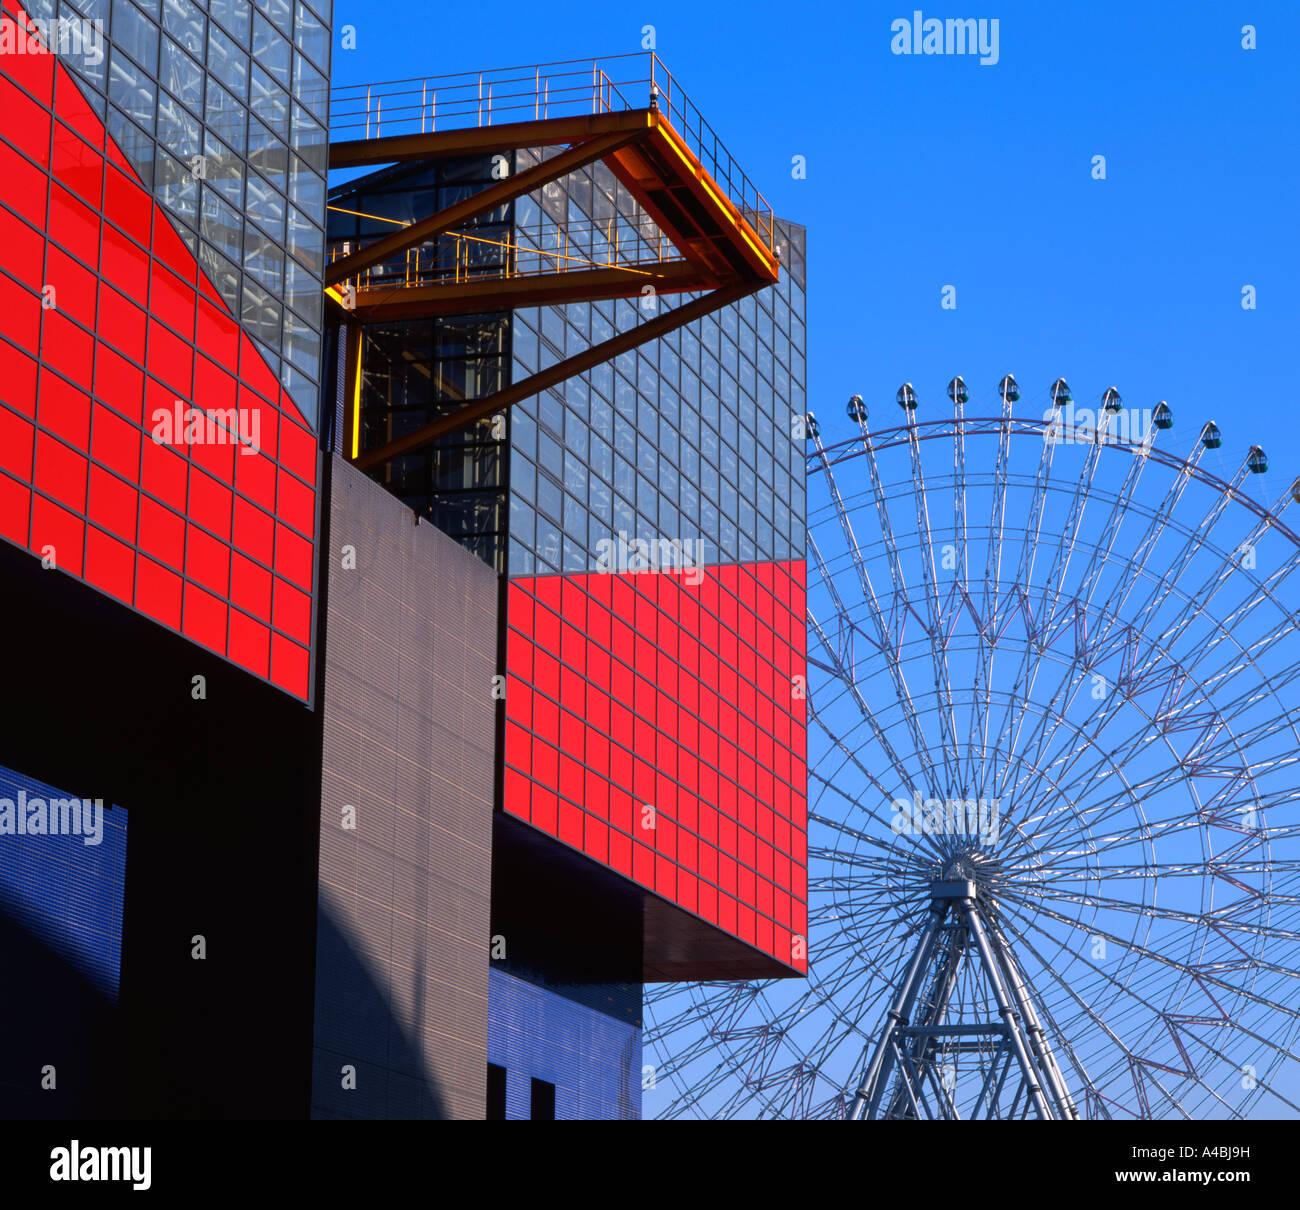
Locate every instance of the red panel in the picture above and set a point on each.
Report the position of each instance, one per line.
(292, 612)
(128, 207)
(28, 125)
(203, 617)
(207, 561)
(159, 497)
(289, 665)
(15, 510)
(297, 503)
(17, 379)
(250, 587)
(173, 301)
(298, 451)
(210, 504)
(68, 348)
(22, 311)
(293, 557)
(74, 287)
(158, 592)
(121, 323)
(666, 706)
(162, 533)
(64, 410)
(254, 531)
(124, 266)
(170, 359)
(35, 73)
(74, 111)
(250, 643)
(78, 166)
(164, 474)
(114, 505)
(16, 443)
(61, 472)
(110, 564)
(25, 253)
(56, 535)
(26, 186)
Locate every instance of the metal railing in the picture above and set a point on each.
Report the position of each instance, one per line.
(611, 84)
(459, 256)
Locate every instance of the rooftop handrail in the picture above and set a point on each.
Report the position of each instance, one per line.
(540, 91)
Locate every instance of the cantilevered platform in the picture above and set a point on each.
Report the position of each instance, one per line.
(715, 232)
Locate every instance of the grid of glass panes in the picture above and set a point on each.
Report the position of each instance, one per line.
(222, 107)
(417, 370)
(688, 437)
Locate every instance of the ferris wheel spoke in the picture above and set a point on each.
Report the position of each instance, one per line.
(936, 626)
(884, 634)
(1043, 622)
(1201, 973)
(895, 761)
(1083, 1004)
(1124, 687)
(989, 599)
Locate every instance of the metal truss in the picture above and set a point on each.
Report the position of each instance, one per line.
(913, 1070)
(1091, 624)
(701, 228)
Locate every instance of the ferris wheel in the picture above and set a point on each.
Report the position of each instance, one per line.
(1054, 794)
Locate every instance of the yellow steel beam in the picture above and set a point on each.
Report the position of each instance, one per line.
(607, 350)
(532, 290)
(705, 224)
(493, 196)
(353, 335)
(697, 175)
(484, 140)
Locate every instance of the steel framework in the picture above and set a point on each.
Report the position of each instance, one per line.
(1086, 641)
(703, 228)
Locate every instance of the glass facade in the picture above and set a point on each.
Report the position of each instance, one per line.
(654, 542)
(582, 1045)
(415, 371)
(222, 107)
(148, 443)
(64, 885)
(688, 436)
(655, 642)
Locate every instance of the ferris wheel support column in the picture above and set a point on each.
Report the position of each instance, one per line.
(877, 1074)
(993, 971)
(1038, 1043)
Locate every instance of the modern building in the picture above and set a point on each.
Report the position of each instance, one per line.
(162, 197)
(646, 516)
(420, 592)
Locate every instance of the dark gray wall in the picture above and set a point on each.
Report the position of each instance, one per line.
(409, 725)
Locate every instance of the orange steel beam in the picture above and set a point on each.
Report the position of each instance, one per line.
(577, 364)
(483, 140)
(444, 220)
(533, 290)
(687, 205)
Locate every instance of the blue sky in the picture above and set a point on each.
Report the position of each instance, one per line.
(933, 170)
(928, 171)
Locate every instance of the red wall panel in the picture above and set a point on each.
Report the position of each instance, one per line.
(104, 305)
(637, 691)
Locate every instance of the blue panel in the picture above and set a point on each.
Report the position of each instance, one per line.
(64, 889)
(593, 1059)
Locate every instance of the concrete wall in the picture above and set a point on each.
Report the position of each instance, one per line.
(409, 725)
